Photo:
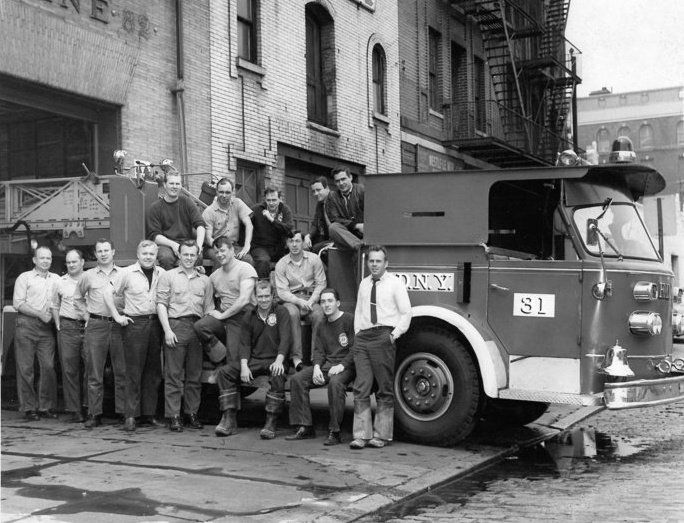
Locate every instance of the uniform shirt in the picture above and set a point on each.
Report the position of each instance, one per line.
(34, 289)
(92, 286)
(63, 299)
(183, 294)
(333, 342)
(269, 233)
(265, 339)
(226, 222)
(226, 285)
(138, 293)
(175, 220)
(392, 304)
(346, 210)
(307, 275)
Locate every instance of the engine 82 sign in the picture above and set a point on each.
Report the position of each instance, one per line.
(534, 305)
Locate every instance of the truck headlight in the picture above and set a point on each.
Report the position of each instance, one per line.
(645, 322)
(645, 291)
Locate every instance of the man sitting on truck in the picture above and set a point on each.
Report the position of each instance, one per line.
(319, 235)
(172, 219)
(300, 278)
(233, 285)
(264, 346)
(333, 365)
(345, 211)
(273, 224)
(383, 313)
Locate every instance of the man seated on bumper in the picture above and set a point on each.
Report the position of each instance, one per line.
(264, 347)
(300, 278)
(333, 365)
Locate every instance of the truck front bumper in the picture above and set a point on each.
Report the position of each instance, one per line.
(643, 393)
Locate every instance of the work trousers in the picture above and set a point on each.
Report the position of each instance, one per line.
(343, 238)
(210, 330)
(186, 355)
(72, 357)
(34, 338)
(300, 404)
(315, 316)
(228, 381)
(374, 355)
(102, 337)
(142, 349)
(263, 256)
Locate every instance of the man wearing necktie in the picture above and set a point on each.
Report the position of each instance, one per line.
(383, 313)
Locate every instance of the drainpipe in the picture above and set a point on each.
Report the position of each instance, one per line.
(575, 130)
(180, 87)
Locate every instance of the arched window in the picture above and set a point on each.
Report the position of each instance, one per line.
(623, 131)
(379, 79)
(603, 140)
(645, 136)
(680, 132)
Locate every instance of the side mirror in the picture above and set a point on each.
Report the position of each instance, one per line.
(592, 235)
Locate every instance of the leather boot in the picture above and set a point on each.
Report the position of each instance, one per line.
(228, 424)
(269, 430)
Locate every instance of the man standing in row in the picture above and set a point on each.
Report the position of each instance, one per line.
(141, 334)
(319, 236)
(345, 209)
(183, 297)
(223, 218)
(172, 219)
(233, 285)
(273, 224)
(300, 278)
(69, 316)
(34, 337)
(102, 333)
(383, 313)
(333, 365)
(264, 347)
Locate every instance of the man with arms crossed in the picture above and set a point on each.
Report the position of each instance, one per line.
(264, 346)
(233, 285)
(345, 208)
(273, 224)
(333, 365)
(183, 297)
(141, 335)
(34, 337)
(383, 313)
(102, 333)
(300, 278)
(172, 219)
(69, 316)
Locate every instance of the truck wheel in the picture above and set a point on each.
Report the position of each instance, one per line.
(513, 412)
(436, 388)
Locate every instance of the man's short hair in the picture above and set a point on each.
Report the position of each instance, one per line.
(147, 243)
(224, 181)
(77, 252)
(331, 290)
(270, 189)
(104, 240)
(295, 233)
(378, 248)
(340, 169)
(221, 241)
(322, 180)
(263, 283)
(188, 243)
(170, 173)
(44, 247)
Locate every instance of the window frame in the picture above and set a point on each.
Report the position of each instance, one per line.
(435, 98)
(379, 79)
(250, 23)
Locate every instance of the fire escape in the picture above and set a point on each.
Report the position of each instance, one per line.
(532, 79)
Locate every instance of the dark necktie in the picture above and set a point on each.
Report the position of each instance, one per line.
(373, 299)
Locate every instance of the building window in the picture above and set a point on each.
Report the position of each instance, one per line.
(603, 140)
(379, 79)
(248, 183)
(623, 131)
(645, 136)
(246, 18)
(434, 61)
(320, 65)
(479, 93)
(680, 132)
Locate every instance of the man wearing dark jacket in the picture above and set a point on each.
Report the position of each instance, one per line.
(345, 211)
(319, 235)
(265, 341)
(273, 224)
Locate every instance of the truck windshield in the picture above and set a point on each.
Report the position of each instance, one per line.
(619, 232)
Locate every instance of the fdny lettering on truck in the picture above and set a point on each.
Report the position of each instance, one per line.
(427, 281)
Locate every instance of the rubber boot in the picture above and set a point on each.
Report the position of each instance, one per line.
(228, 424)
(269, 430)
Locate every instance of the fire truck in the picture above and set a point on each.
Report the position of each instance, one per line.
(528, 286)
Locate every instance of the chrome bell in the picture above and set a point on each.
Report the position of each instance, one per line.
(615, 362)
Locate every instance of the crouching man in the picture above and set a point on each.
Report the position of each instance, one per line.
(264, 346)
(333, 365)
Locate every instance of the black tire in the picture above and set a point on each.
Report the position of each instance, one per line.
(513, 412)
(435, 368)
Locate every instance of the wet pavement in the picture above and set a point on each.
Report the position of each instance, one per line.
(52, 471)
(636, 474)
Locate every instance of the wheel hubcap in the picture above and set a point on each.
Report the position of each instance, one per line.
(424, 386)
